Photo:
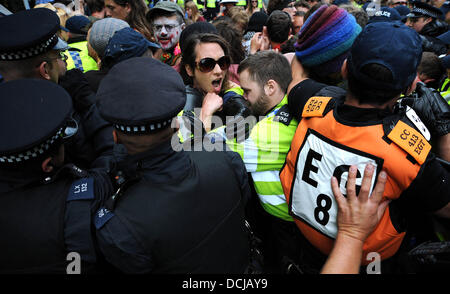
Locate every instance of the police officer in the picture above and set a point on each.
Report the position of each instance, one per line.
(45, 211)
(425, 19)
(174, 212)
(78, 56)
(30, 48)
(363, 127)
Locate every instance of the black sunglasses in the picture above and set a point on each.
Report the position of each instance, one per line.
(207, 64)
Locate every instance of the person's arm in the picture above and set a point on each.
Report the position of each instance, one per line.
(358, 215)
(211, 103)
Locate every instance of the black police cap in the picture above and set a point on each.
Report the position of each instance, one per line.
(33, 116)
(424, 9)
(141, 95)
(28, 33)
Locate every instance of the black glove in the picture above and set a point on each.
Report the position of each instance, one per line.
(76, 84)
(431, 108)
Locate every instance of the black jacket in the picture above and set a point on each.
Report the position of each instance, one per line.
(177, 212)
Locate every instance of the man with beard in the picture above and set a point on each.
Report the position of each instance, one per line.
(167, 22)
(264, 77)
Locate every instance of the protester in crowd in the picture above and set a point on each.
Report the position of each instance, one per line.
(225, 7)
(37, 53)
(252, 7)
(193, 14)
(239, 18)
(47, 206)
(63, 15)
(302, 6)
(358, 215)
(376, 76)
(284, 5)
(204, 68)
(255, 25)
(431, 71)
(131, 11)
(424, 19)
(78, 55)
(167, 21)
(297, 22)
(321, 54)
(191, 230)
(361, 16)
(96, 8)
(234, 38)
(124, 44)
(98, 38)
(276, 33)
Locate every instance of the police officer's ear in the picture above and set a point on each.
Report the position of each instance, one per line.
(44, 70)
(47, 165)
(344, 70)
(270, 87)
(115, 138)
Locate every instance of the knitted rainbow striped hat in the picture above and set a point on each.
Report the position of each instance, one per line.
(326, 38)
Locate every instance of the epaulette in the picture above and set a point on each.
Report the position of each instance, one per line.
(317, 106)
(410, 140)
(68, 169)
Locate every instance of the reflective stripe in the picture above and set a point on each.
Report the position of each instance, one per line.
(250, 155)
(273, 199)
(266, 176)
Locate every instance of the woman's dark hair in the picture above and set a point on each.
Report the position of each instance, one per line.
(230, 33)
(368, 95)
(136, 18)
(95, 5)
(189, 53)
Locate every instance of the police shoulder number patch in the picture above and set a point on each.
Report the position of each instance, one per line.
(315, 106)
(410, 140)
(319, 158)
(82, 189)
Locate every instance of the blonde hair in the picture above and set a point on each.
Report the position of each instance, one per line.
(193, 7)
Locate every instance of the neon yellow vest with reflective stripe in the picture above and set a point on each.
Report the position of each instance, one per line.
(80, 59)
(241, 3)
(445, 90)
(264, 153)
(211, 3)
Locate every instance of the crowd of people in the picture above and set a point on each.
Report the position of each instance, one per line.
(225, 137)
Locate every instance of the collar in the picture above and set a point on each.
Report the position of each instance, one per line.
(367, 116)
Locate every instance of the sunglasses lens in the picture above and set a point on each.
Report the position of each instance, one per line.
(206, 64)
(224, 62)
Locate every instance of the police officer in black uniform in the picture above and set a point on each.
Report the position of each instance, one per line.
(30, 48)
(45, 206)
(174, 212)
(423, 13)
